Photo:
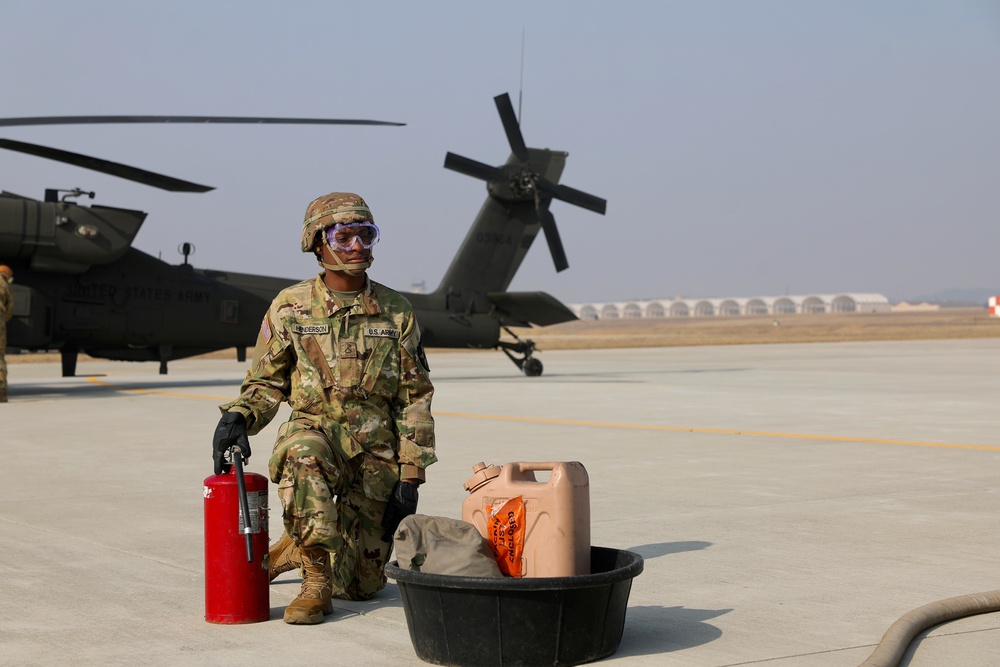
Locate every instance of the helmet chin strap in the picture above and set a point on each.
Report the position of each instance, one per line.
(354, 269)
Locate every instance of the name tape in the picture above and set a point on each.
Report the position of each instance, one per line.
(311, 328)
(382, 333)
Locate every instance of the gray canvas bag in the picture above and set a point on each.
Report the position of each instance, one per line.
(438, 545)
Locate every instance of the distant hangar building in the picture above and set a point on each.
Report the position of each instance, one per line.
(734, 306)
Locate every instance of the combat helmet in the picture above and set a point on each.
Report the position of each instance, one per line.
(332, 209)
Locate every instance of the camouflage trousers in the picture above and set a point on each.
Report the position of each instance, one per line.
(335, 504)
(3, 360)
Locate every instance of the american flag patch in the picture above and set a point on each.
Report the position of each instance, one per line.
(265, 330)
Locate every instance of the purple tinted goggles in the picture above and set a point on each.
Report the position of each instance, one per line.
(343, 236)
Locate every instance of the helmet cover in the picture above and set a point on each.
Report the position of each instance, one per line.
(329, 210)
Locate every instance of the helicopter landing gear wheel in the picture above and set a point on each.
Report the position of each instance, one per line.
(532, 367)
(528, 364)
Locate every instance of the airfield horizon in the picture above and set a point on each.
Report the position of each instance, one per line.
(946, 323)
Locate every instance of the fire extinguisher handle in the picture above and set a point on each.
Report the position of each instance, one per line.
(244, 502)
(229, 434)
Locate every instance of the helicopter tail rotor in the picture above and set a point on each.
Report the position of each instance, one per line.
(525, 182)
(552, 238)
(511, 127)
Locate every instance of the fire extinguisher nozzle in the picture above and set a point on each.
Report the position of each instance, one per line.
(244, 503)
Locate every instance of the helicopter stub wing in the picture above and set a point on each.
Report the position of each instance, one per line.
(523, 309)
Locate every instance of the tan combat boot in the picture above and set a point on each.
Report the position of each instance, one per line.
(283, 556)
(313, 601)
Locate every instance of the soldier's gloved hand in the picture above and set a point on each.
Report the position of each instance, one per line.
(231, 431)
(402, 504)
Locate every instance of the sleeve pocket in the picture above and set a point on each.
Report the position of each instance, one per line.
(379, 477)
(423, 433)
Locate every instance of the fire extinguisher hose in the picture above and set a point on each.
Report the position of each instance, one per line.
(244, 503)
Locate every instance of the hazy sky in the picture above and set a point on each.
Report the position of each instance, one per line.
(745, 148)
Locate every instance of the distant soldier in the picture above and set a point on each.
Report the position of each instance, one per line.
(6, 312)
(345, 353)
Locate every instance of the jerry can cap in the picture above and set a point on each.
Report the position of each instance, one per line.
(481, 474)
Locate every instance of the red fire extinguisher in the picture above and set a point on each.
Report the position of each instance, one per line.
(236, 562)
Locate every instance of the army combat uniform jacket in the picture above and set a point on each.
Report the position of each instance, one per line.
(6, 312)
(351, 370)
(6, 301)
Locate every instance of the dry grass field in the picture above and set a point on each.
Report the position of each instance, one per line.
(672, 332)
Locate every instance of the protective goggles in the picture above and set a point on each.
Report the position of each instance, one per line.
(343, 236)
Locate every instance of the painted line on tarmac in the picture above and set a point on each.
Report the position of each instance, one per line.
(723, 431)
(158, 392)
(634, 427)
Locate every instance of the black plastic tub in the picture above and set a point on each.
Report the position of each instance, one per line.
(529, 622)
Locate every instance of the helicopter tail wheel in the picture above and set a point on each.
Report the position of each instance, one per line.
(528, 364)
(531, 367)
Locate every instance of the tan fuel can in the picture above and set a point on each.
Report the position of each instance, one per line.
(556, 506)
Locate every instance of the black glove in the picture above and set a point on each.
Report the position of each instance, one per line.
(402, 504)
(231, 432)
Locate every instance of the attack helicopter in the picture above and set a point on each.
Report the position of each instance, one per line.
(82, 287)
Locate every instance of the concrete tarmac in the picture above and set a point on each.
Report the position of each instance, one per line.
(790, 502)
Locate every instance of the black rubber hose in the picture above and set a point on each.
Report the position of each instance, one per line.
(244, 503)
(897, 638)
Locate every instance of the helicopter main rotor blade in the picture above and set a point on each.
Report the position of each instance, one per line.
(471, 167)
(511, 127)
(553, 239)
(573, 196)
(106, 167)
(80, 120)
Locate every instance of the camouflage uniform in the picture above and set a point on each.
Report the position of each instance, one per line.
(6, 312)
(357, 384)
